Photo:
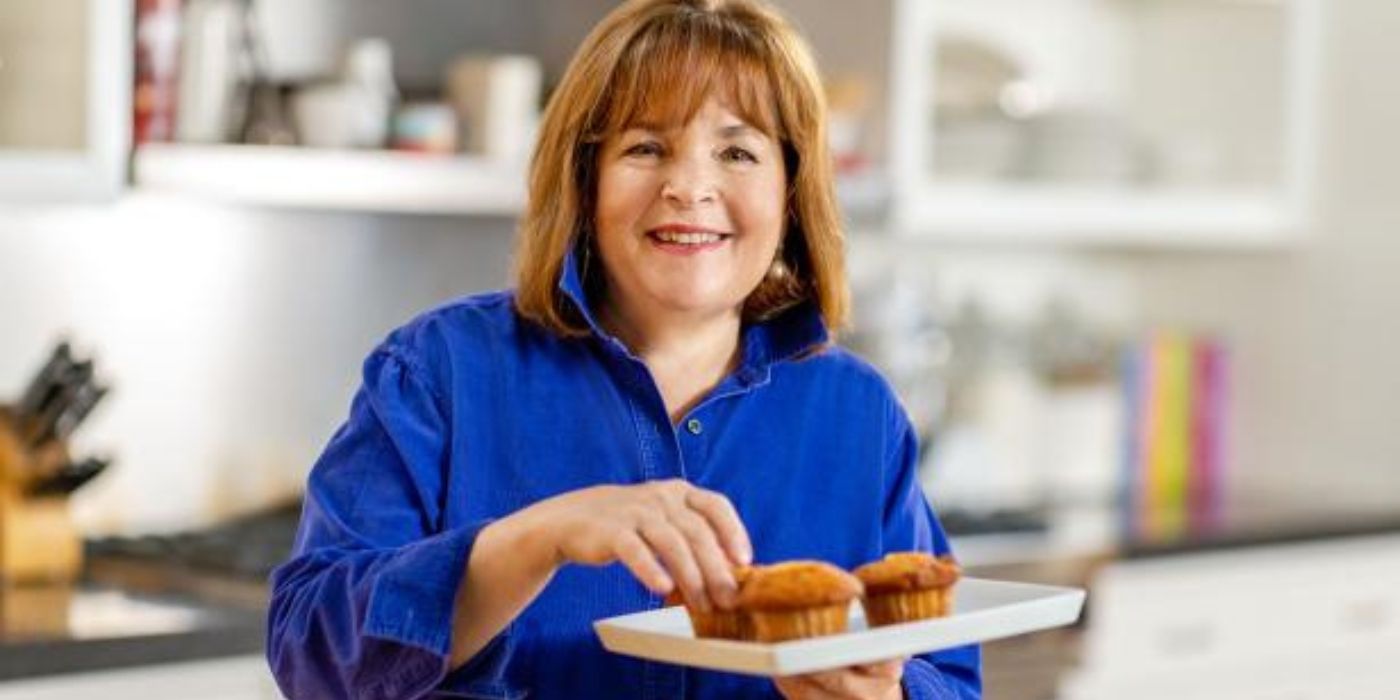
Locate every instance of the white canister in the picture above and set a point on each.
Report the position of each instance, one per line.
(497, 99)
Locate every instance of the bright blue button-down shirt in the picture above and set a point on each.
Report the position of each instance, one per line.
(470, 413)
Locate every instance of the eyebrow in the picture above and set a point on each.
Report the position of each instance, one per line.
(731, 130)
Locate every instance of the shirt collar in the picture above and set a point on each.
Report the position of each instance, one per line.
(791, 333)
(571, 284)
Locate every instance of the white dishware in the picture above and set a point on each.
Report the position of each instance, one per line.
(983, 610)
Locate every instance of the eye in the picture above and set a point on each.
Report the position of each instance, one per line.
(738, 154)
(643, 148)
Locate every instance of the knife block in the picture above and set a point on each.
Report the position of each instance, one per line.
(39, 542)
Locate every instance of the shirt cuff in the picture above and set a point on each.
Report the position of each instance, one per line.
(413, 604)
(413, 601)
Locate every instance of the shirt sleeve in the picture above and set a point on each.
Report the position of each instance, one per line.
(364, 606)
(911, 525)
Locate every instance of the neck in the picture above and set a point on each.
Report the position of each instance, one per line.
(687, 355)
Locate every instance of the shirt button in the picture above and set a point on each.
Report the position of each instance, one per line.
(694, 426)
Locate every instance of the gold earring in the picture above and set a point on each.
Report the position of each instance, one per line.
(778, 271)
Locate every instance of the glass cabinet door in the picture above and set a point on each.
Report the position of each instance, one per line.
(1097, 118)
(64, 98)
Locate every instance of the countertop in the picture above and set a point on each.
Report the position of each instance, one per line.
(91, 627)
(136, 607)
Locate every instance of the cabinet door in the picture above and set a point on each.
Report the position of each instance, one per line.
(65, 73)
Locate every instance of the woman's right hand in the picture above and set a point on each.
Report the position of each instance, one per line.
(667, 533)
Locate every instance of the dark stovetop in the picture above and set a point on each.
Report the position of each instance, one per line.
(249, 547)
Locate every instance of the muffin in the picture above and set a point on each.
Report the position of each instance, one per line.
(718, 624)
(798, 599)
(907, 586)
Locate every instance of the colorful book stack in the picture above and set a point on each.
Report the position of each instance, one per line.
(1174, 436)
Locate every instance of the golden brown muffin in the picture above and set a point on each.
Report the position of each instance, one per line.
(718, 624)
(798, 599)
(907, 586)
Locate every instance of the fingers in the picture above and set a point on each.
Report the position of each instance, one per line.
(634, 553)
(892, 669)
(670, 535)
(724, 520)
(694, 513)
(718, 577)
(802, 688)
(875, 680)
(669, 545)
(841, 682)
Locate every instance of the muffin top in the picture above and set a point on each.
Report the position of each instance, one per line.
(797, 584)
(908, 571)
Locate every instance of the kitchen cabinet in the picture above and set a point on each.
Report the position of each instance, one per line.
(65, 73)
(1183, 124)
(1241, 623)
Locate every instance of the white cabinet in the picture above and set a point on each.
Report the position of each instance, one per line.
(1305, 621)
(237, 678)
(1181, 123)
(65, 73)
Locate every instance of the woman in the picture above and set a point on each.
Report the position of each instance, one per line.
(658, 401)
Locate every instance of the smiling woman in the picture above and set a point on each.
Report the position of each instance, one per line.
(651, 67)
(658, 400)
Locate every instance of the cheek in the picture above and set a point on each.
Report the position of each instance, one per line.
(622, 198)
(765, 212)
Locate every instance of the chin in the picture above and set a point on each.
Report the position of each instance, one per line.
(691, 303)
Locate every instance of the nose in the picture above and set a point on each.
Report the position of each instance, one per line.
(689, 182)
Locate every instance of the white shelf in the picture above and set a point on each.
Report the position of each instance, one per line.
(1215, 219)
(384, 181)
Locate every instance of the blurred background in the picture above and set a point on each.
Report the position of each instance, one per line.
(1129, 263)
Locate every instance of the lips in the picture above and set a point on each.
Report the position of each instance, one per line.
(687, 236)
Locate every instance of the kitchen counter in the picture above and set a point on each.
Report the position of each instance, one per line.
(52, 630)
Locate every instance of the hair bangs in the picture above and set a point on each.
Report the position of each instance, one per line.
(717, 58)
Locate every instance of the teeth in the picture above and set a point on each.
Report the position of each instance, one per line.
(687, 238)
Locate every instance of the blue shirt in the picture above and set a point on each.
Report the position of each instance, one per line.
(470, 412)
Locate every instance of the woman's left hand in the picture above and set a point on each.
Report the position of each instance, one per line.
(877, 681)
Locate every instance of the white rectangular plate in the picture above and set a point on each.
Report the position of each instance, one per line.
(982, 610)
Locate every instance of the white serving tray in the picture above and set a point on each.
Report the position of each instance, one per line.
(983, 610)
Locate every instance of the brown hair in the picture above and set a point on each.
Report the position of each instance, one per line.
(680, 51)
